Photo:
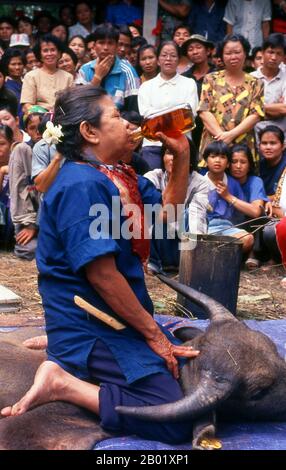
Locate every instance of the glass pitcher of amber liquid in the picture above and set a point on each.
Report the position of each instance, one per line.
(172, 121)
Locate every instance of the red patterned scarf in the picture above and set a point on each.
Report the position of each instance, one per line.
(126, 181)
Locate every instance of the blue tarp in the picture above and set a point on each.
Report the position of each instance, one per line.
(237, 436)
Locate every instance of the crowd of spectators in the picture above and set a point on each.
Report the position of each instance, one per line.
(225, 59)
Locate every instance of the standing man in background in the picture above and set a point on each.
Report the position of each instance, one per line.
(115, 75)
(206, 19)
(250, 18)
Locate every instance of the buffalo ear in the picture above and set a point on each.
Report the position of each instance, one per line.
(186, 333)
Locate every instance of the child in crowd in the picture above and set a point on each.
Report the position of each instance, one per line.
(32, 122)
(6, 227)
(24, 199)
(225, 194)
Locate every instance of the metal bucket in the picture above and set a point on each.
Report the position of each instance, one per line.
(210, 264)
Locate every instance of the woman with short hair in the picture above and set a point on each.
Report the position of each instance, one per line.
(41, 85)
(231, 100)
(166, 90)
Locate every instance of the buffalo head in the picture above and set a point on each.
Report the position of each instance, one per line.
(238, 372)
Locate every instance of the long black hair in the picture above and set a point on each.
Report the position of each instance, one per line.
(246, 150)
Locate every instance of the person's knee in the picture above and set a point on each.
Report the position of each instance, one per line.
(248, 242)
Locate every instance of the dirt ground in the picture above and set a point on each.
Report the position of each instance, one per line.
(260, 295)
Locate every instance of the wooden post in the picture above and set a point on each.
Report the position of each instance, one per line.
(150, 19)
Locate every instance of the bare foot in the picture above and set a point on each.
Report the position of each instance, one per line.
(49, 385)
(37, 342)
(283, 283)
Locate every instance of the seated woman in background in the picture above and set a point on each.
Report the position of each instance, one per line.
(41, 85)
(277, 210)
(165, 251)
(69, 63)
(226, 198)
(273, 157)
(6, 226)
(242, 169)
(13, 62)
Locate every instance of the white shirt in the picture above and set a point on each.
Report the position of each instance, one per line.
(274, 92)
(79, 30)
(157, 94)
(246, 17)
(196, 201)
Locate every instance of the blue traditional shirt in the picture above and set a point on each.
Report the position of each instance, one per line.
(271, 174)
(253, 189)
(66, 244)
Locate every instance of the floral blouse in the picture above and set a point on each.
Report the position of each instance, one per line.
(230, 105)
(278, 200)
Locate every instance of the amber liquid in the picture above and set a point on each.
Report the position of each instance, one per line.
(173, 124)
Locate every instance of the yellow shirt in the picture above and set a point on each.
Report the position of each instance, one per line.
(40, 87)
(231, 105)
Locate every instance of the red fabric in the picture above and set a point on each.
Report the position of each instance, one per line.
(125, 179)
(279, 26)
(281, 238)
(158, 29)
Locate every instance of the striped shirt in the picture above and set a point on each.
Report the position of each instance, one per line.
(120, 83)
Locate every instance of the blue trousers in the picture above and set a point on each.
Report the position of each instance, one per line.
(165, 252)
(154, 389)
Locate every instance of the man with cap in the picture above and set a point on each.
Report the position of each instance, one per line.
(198, 50)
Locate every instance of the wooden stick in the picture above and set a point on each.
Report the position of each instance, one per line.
(110, 321)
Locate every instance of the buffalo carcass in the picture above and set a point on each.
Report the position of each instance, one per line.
(238, 374)
(53, 426)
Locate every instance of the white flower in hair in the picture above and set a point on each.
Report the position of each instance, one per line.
(52, 134)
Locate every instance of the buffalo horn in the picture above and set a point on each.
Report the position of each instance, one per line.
(214, 310)
(207, 396)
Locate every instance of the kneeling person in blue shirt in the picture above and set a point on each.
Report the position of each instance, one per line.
(76, 256)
